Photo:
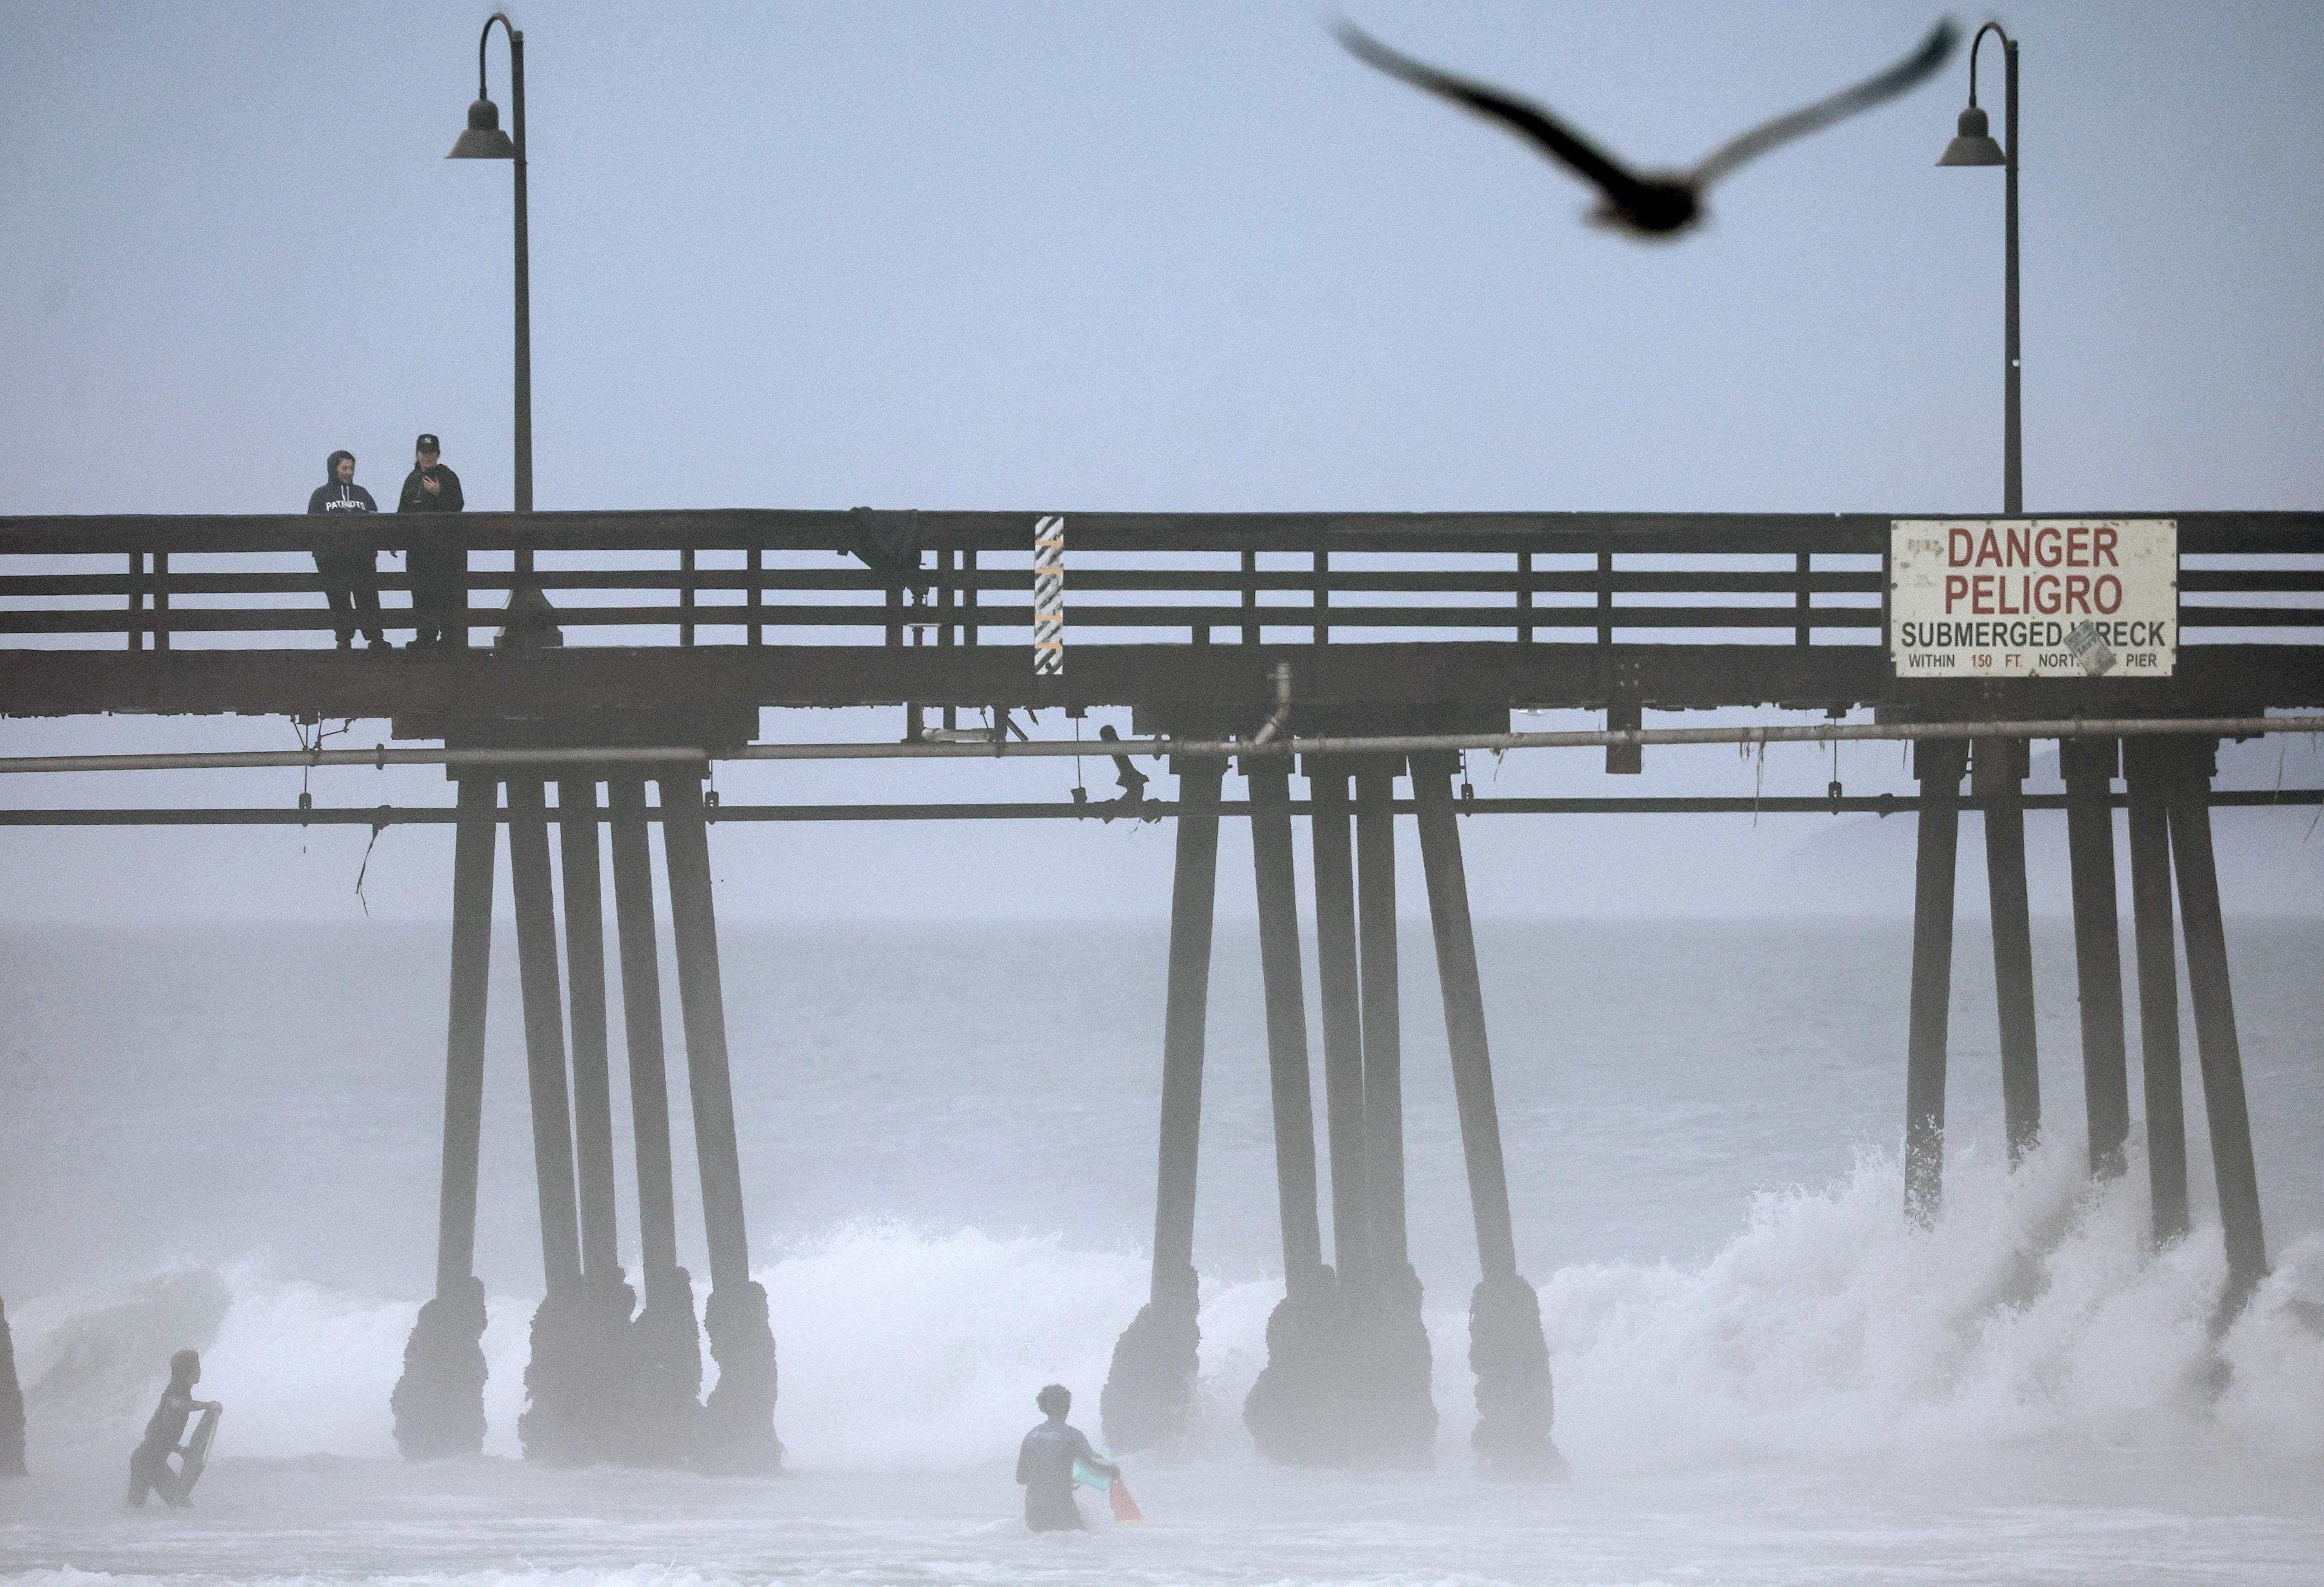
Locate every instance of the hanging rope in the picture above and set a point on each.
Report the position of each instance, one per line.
(365, 869)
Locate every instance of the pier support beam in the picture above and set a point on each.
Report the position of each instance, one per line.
(1997, 776)
(1290, 1408)
(439, 1401)
(12, 1404)
(1396, 1356)
(2089, 764)
(1938, 765)
(2146, 771)
(1339, 987)
(584, 976)
(736, 1429)
(1515, 1404)
(665, 1338)
(607, 1299)
(2217, 1048)
(560, 1425)
(1149, 1402)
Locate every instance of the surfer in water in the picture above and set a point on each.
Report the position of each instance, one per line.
(149, 1467)
(1045, 1464)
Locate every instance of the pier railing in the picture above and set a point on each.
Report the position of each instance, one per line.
(767, 577)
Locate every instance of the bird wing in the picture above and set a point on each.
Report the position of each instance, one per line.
(1528, 121)
(1810, 118)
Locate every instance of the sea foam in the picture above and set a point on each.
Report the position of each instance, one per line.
(1828, 1327)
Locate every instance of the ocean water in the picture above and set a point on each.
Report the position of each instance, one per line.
(228, 1140)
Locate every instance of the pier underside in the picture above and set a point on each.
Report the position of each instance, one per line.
(421, 693)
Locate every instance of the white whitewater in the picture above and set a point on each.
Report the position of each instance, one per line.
(1820, 1393)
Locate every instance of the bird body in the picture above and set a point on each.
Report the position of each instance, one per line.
(1649, 205)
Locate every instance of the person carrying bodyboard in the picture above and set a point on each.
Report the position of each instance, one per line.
(1047, 1463)
(149, 1464)
(1126, 1512)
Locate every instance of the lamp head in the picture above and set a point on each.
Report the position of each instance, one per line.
(483, 140)
(1973, 144)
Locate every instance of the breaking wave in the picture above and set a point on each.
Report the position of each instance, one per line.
(1825, 1327)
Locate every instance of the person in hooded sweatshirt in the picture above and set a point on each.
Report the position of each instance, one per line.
(149, 1467)
(350, 570)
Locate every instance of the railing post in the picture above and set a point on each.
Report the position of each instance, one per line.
(1801, 565)
(757, 569)
(1605, 597)
(969, 597)
(136, 600)
(1525, 597)
(1322, 597)
(161, 600)
(685, 596)
(1250, 598)
(945, 598)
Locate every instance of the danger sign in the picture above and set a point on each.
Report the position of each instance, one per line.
(2033, 598)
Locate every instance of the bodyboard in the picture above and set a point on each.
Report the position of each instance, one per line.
(1085, 1475)
(198, 1452)
(1126, 1512)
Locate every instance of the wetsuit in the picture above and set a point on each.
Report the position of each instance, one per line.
(1045, 1465)
(149, 1466)
(438, 600)
(350, 572)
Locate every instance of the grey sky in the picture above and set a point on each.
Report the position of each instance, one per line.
(1171, 257)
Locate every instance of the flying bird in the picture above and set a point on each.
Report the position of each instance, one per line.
(1657, 204)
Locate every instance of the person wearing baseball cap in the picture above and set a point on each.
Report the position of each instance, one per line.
(439, 599)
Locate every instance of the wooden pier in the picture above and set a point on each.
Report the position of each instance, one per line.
(682, 628)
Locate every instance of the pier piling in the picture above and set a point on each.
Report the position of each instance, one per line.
(1997, 776)
(585, 988)
(1338, 988)
(439, 1402)
(2145, 773)
(607, 1299)
(12, 1404)
(1397, 1357)
(1514, 1402)
(2217, 1050)
(558, 1426)
(736, 1429)
(1290, 1410)
(2090, 765)
(667, 1343)
(1148, 1400)
(1938, 765)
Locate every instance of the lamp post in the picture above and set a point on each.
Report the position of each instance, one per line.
(483, 140)
(1974, 145)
